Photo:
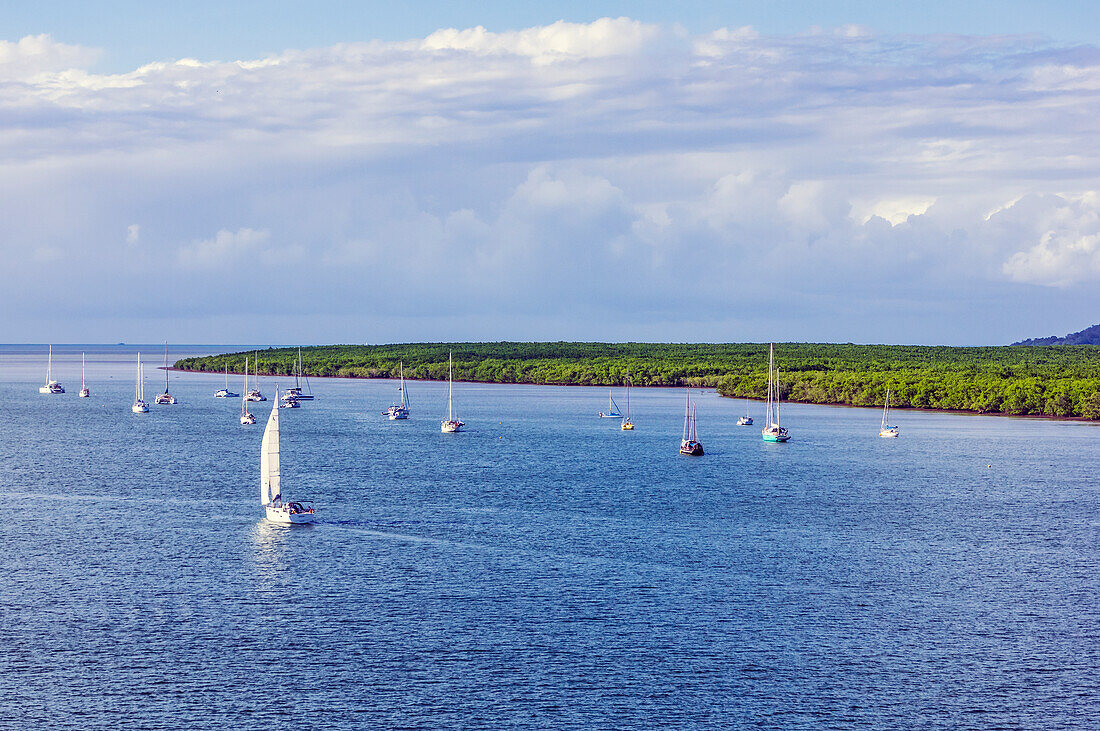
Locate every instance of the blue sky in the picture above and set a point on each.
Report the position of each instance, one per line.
(650, 171)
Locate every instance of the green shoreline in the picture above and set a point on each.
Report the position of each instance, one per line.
(1049, 381)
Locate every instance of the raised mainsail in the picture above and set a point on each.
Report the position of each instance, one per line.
(270, 480)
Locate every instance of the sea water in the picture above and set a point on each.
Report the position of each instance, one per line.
(541, 569)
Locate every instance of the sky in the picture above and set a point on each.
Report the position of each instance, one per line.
(272, 173)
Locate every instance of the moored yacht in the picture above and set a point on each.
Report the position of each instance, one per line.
(139, 406)
(612, 408)
(745, 420)
(401, 410)
(254, 394)
(451, 424)
(773, 432)
(246, 415)
(689, 443)
(85, 392)
(271, 497)
(297, 392)
(886, 431)
(628, 419)
(165, 399)
(51, 386)
(225, 392)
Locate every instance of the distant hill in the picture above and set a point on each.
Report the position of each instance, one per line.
(1088, 336)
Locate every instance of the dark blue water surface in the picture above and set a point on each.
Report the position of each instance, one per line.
(543, 569)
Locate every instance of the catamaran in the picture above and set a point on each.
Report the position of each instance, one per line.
(689, 443)
(225, 392)
(246, 415)
(401, 410)
(887, 431)
(139, 406)
(165, 399)
(450, 424)
(628, 423)
(612, 408)
(85, 392)
(271, 496)
(773, 432)
(51, 386)
(296, 392)
(254, 394)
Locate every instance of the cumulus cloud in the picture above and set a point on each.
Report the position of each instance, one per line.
(560, 169)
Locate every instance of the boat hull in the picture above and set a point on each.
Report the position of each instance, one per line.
(776, 438)
(691, 449)
(85, 393)
(450, 427)
(627, 426)
(165, 400)
(283, 516)
(890, 433)
(140, 408)
(744, 421)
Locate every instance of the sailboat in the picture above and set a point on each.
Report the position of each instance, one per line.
(139, 407)
(296, 392)
(745, 420)
(165, 399)
(51, 386)
(887, 431)
(628, 423)
(271, 496)
(690, 444)
(612, 408)
(85, 392)
(401, 410)
(254, 394)
(246, 415)
(773, 432)
(225, 392)
(450, 424)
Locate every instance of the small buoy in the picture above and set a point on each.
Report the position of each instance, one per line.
(989, 465)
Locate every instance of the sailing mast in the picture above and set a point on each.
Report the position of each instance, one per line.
(450, 386)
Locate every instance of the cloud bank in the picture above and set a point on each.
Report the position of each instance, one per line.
(604, 180)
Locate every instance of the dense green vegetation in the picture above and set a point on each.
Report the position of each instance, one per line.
(1061, 380)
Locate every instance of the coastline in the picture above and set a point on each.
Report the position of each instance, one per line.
(963, 412)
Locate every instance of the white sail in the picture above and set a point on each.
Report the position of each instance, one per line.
(137, 386)
(270, 481)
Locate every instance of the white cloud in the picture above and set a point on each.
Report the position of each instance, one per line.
(578, 161)
(1066, 235)
(225, 249)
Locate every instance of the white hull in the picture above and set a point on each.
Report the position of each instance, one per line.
(398, 416)
(51, 388)
(744, 421)
(85, 393)
(610, 416)
(248, 419)
(165, 399)
(140, 408)
(225, 394)
(255, 396)
(890, 433)
(282, 514)
(449, 427)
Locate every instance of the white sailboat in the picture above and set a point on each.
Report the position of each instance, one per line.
(246, 415)
(271, 496)
(296, 392)
(139, 406)
(165, 399)
(628, 422)
(51, 386)
(401, 410)
(254, 394)
(450, 424)
(85, 392)
(689, 443)
(225, 392)
(773, 431)
(887, 431)
(612, 408)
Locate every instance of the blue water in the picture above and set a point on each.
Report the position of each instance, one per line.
(543, 569)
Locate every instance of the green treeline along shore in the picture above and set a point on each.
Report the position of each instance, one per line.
(1055, 380)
